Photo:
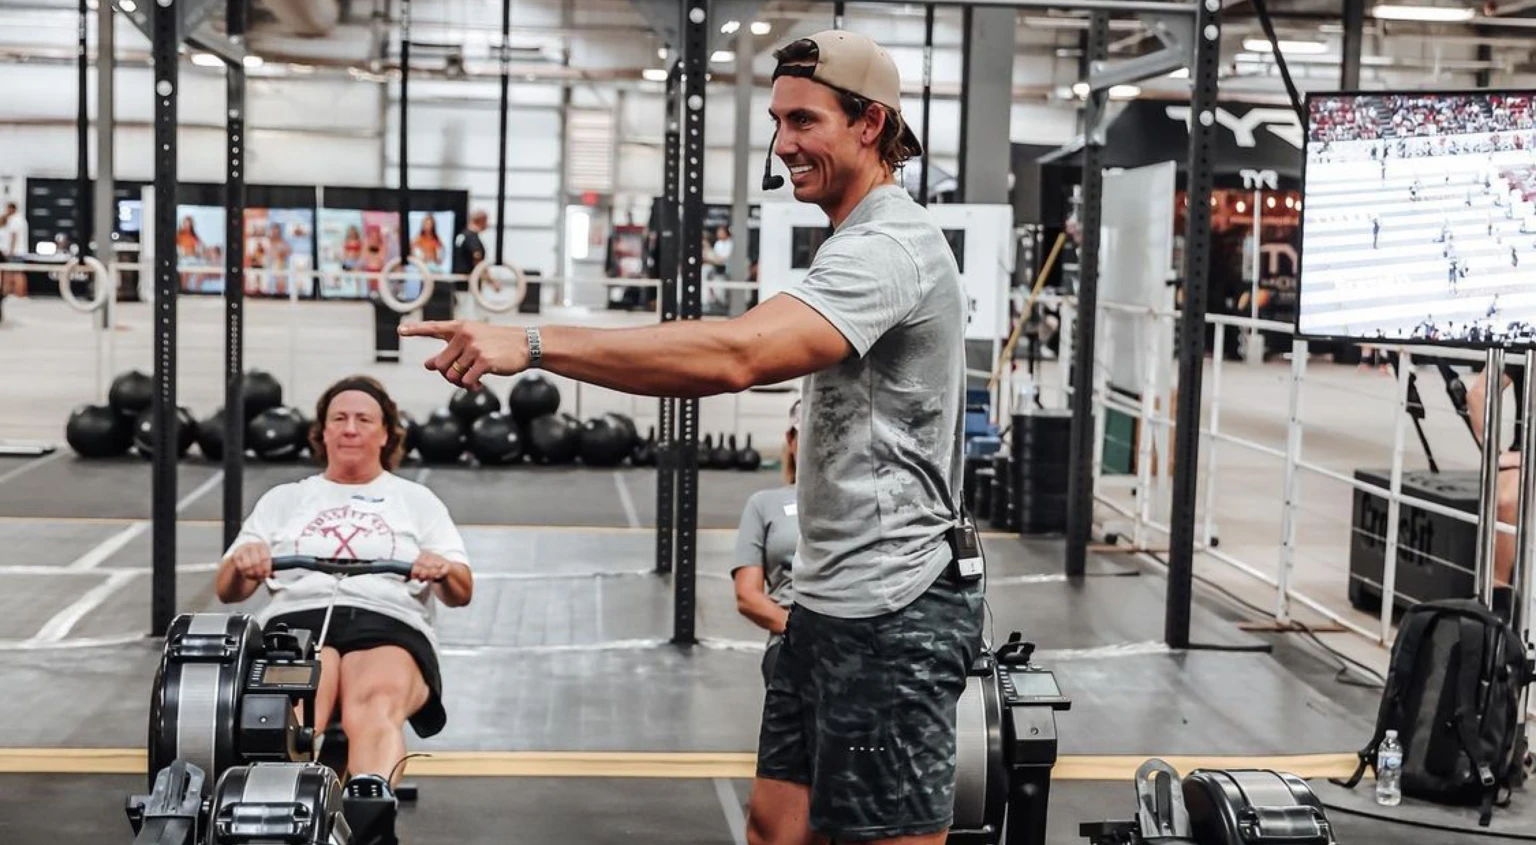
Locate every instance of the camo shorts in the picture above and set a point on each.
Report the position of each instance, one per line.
(863, 712)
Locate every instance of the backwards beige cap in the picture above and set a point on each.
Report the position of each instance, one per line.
(853, 63)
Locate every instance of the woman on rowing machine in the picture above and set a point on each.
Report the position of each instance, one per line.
(765, 551)
(379, 664)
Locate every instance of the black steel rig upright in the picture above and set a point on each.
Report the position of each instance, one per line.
(666, 274)
(1080, 443)
(695, 55)
(234, 281)
(166, 40)
(405, 175)
(83, 216)
(505, 55)
(1191, 338)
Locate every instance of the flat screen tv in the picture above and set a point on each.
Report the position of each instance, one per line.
(1419, 218)
(280, 249)
(359, 240)
(200, 248)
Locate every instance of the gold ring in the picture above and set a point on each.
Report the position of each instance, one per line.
(457, 367)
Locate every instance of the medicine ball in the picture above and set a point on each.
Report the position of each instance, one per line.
(261, 392)
(305, 426)
(210, 436)
(412, 432)
(644, 453)
(553, 439)
(532, 397)
(493, 439)
(470, 405)
(131, 394)
(631, 433)
(276, 434)
(144, 433)
(96, 431)
(604, 443)
(748, 459)
(442, 438)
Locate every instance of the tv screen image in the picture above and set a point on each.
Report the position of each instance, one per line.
(351, 239)
(200, 245)
(281, 242)
(1418, 216)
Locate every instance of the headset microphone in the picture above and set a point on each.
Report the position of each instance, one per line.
(770, 181)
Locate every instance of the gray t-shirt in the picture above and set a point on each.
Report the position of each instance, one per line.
(880, 444)
(767, 537)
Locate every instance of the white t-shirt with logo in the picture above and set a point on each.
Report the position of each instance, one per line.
(388, 518)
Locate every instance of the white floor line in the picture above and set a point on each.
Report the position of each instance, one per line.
(1047, 655)
(731, 805)
(78, 642)
(1047, 578)
(57, 628)
(421, 477)
(33, 464)
(115, 543)
(107, 548)
(626, 500)
(199, 491)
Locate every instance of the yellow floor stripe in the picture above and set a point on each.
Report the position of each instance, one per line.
(618, 764)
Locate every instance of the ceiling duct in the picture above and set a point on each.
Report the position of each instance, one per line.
(309, 18)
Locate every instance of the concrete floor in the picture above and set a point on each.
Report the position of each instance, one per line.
(1348, 414)
(1130, 699)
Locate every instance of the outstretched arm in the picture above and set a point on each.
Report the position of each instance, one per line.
(779, 340)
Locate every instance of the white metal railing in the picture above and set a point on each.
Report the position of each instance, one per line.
(1157, 422)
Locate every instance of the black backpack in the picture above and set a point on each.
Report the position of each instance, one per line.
(1453, 696)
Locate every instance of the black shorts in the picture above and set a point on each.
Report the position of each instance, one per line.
(770, 657)
(863, 712)
(356, 629)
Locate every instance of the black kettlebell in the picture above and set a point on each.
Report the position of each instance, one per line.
(748, 459)
(725, 456)
(644, 454)
(707, 452)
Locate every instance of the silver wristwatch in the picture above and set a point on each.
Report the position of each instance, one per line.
(535, 348)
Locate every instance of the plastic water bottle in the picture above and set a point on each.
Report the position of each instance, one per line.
(1389, 771)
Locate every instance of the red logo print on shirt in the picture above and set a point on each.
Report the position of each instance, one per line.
(351, 534)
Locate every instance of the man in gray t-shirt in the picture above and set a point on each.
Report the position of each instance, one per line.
(882, 428)
(858, 730)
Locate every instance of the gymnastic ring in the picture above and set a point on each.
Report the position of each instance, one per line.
(477, 277)
(388, 295)
(103, 284)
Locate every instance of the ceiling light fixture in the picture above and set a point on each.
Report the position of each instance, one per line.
(1430, 14)
(1287, 47)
